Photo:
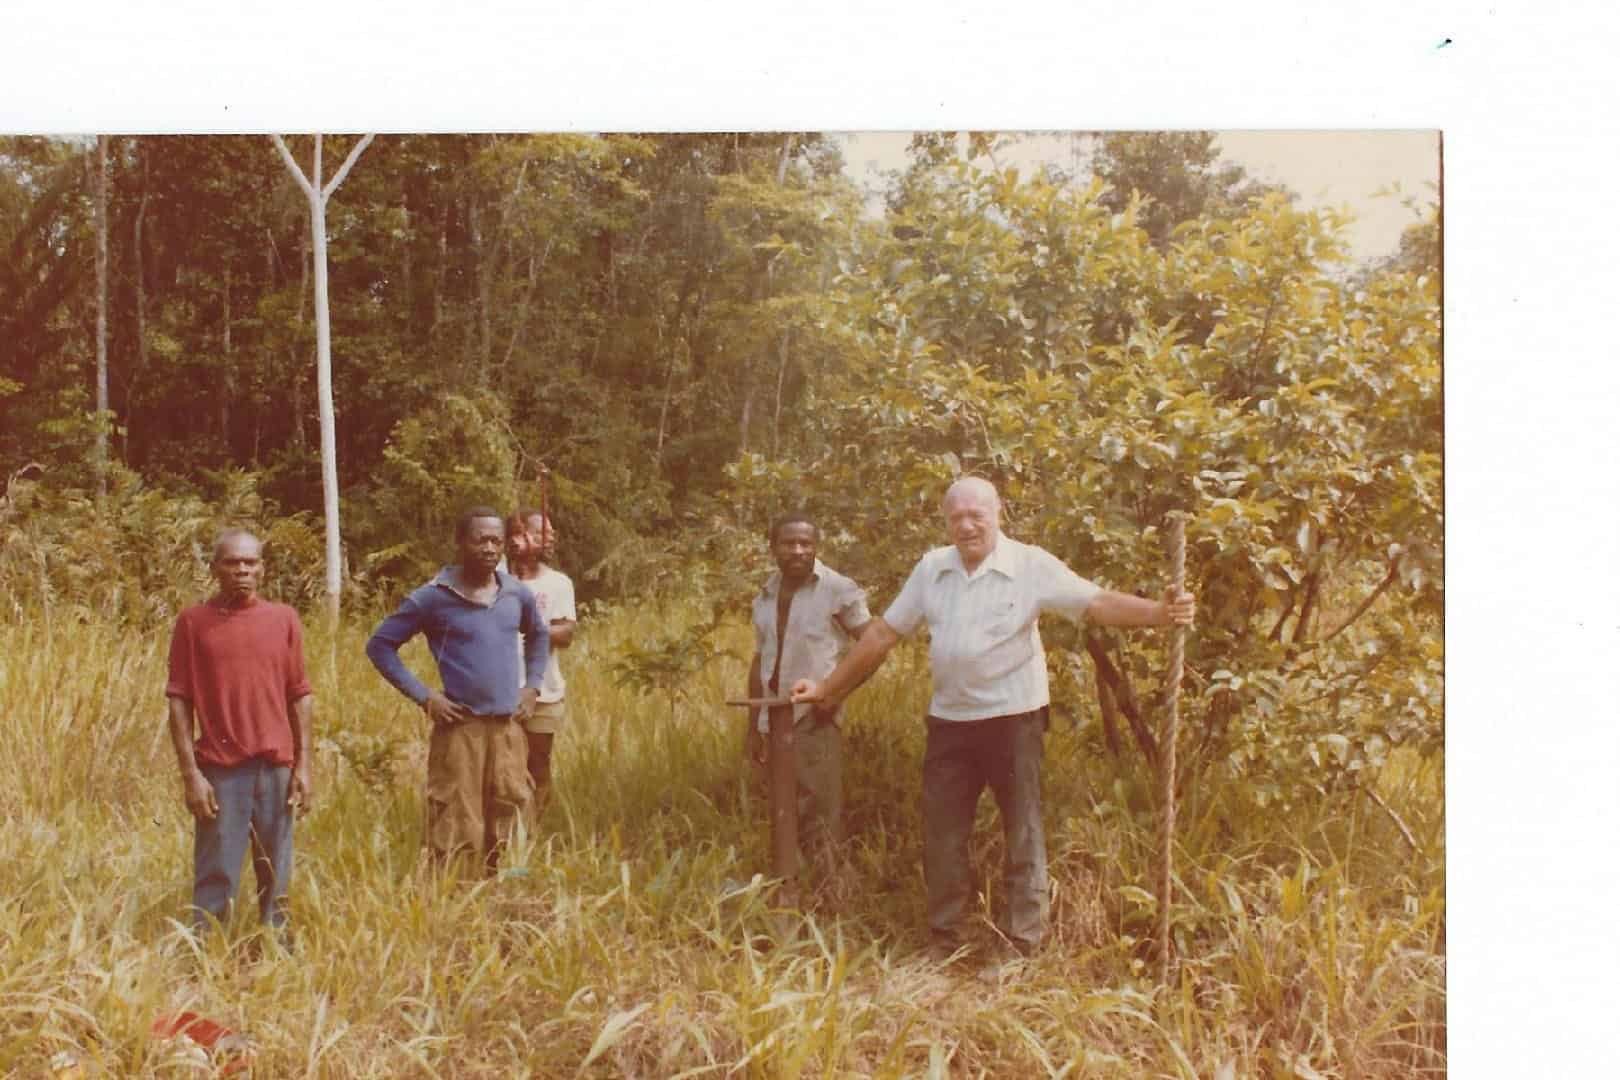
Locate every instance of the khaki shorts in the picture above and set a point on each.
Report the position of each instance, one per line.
(547, 717)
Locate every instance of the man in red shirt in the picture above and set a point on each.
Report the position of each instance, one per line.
(237, 686)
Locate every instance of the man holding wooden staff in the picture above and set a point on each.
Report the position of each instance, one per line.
(803, 618)
(982, 597)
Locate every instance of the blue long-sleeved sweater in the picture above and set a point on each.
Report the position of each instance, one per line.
(470, 642)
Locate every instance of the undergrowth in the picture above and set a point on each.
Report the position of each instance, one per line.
(635, 934)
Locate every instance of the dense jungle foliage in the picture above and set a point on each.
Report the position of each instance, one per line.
(691, 333)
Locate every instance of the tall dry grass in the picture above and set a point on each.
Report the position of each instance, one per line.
(633, 934)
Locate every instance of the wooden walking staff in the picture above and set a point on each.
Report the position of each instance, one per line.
(1167, 756)
(784, 791)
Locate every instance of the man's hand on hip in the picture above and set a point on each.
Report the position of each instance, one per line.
(441, 710)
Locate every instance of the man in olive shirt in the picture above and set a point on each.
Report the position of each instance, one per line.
(804, 617)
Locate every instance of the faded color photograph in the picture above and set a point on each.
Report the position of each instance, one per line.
(589, 581)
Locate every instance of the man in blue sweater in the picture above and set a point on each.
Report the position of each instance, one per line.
(478, 777)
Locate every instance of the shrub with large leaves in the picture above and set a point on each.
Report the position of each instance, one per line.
(1017, 330)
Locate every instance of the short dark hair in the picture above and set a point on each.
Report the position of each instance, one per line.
(519, 519)
(792, 517)
(472, 514)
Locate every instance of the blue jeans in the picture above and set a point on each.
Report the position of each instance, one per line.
(962, 758)
(253, 811)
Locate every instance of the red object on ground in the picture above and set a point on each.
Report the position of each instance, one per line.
(223, 1045)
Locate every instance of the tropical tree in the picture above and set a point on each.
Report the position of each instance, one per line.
(1178, 174)
(318, 194)
(1016, 328)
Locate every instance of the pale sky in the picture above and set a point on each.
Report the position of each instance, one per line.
(1324, 168)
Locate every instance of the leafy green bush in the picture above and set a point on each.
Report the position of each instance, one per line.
(141, 554)
(1015, 329)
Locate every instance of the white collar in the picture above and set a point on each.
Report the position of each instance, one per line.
(1001, 559)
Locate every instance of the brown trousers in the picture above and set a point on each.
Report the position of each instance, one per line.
(477, 787)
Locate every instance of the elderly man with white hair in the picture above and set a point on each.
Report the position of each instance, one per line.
(981, 597)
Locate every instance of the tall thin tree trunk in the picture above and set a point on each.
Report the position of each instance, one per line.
(469, 336)
(781, 377)
(520, 324)
(442, 271)
(271, 279)
(745, 420)
(317, 196)
(669, 388)
(300, 438)
(697, 360)
(103, 406)
(529, 290)
(782, 162)
(483, 270)
(228, 381)
(491, 259)
(323, 390)
(140, 300)
(610, 299)
(764, 294)
(405, 290)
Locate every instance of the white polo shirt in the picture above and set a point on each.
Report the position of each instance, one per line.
(984, 628)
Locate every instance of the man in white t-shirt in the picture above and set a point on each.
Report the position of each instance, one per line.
(982, 598)
(531, 545)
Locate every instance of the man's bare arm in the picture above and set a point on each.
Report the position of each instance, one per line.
(300, 716)
(562, 633)
(1110, 608)
(199, 793)
(856, 634)
(854, 669)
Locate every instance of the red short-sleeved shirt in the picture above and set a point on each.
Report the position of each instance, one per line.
(241, 668)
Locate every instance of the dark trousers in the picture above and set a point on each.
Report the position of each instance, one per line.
(253, 811)
(961, 759)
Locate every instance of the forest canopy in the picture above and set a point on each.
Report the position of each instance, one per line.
(690, 333)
